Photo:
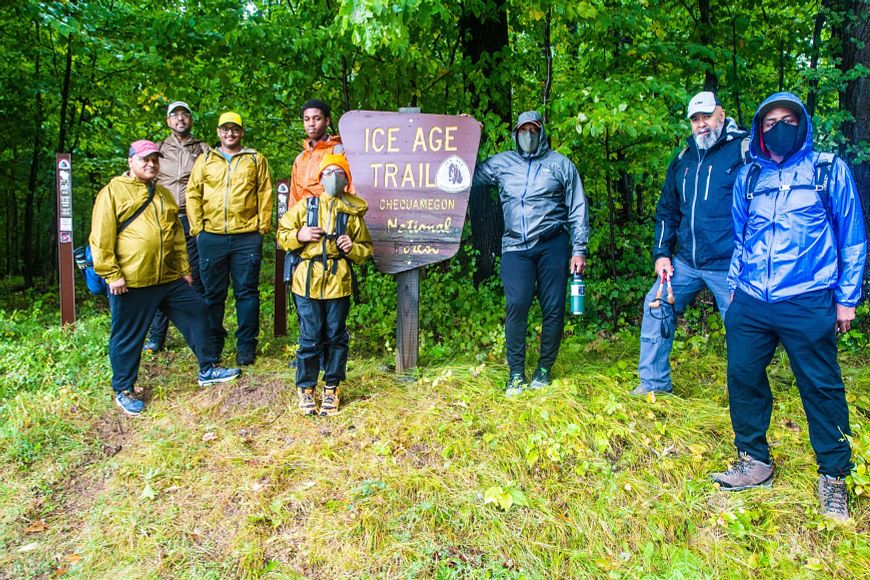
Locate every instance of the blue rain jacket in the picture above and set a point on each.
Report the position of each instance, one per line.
(785, 243)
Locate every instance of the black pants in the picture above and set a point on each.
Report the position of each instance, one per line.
(543, 271)
(222, 256)
(322, 333)
(132, 313)
(161, 323)
(805, 326)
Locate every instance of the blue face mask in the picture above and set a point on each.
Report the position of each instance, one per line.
(782, 139)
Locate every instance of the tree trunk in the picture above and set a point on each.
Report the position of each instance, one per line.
(484, 41)
(711, 81)
(812, 97)
(29, 262)
(855, 39)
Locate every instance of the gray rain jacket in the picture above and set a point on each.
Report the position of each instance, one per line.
(541, 193)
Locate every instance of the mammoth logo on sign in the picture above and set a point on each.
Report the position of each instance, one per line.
(415, 171)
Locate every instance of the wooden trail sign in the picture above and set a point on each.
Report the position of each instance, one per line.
(415, 171)
(66, 267)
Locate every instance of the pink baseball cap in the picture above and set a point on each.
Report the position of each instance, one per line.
(144, 148)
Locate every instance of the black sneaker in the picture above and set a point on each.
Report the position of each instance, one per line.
(152, 345)
(516, 385)
(833, 498)
(540, 379)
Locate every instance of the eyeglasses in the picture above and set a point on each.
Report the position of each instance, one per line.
(179, 114)
(234, 130)
(788, 119)
(328, 172)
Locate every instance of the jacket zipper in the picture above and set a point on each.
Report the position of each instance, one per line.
(160, 226)
(772, 241)
(694, 203)
(685, 175)
(709, 175)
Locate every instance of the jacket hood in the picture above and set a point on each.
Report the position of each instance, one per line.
(791, 101)
(350, 204)
(543, 143)
(330, 141)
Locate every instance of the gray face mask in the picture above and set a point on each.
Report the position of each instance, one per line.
(528, 141)
(334, 184)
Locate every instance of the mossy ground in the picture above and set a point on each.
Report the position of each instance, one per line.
(438, 475)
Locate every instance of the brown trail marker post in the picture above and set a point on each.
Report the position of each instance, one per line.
(279, 327)
(415, 172)
(66, 267)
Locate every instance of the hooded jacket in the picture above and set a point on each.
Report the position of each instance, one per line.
(694, 209)
(230, 196)
(323, 273)
(305, 179)
(541, 193)
(151, 250)
(176, 165)
(786, 243)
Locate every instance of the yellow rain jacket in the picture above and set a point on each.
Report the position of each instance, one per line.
(323, 272)
(151, 250)
(230, 197)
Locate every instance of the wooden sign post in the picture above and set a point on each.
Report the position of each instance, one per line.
(66, 266)
(280, 324)
(415, 171)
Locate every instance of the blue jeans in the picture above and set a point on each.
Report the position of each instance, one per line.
(805, 327)
(132, 314)
(655, 352)
(541, 270)
(323, 337)
(222, 256)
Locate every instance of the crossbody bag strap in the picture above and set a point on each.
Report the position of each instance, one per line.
(151, 191)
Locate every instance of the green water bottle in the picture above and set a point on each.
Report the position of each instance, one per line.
(578, 295)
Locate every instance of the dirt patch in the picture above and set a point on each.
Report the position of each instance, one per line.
(245, 396)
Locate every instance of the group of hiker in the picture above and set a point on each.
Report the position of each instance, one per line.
(771, 227)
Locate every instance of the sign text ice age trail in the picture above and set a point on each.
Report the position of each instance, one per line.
(415, 171)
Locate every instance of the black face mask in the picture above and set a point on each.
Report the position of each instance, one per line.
(782, 139)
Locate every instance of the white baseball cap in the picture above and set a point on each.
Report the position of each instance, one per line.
(704, 102)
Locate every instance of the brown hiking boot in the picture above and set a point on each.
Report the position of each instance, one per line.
(833, 498)
(329, 405)
(744, 474)
(307, 405)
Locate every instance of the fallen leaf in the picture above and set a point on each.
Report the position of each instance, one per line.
(28, 547)
(36, 527)
(210, 436)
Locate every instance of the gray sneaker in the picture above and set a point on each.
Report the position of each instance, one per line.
(540, 379)
(643, 390)
(745, 474)
(833, 498)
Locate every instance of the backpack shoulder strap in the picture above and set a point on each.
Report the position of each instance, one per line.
(822, 169)
(752, 180)
(312, 204)
(152, 189)
(745, 156)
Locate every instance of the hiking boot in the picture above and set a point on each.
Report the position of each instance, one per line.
(128, 403)
(540, 379)
(643, 390)
(329, 404)
(307, 405)
(244, 359)
(516, 385)
(152, 345)
(745, 474)
(833, 498)
(218, 374)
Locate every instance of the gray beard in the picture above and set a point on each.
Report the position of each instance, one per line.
(704, 142)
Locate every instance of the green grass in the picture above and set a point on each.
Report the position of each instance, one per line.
(229, 482)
